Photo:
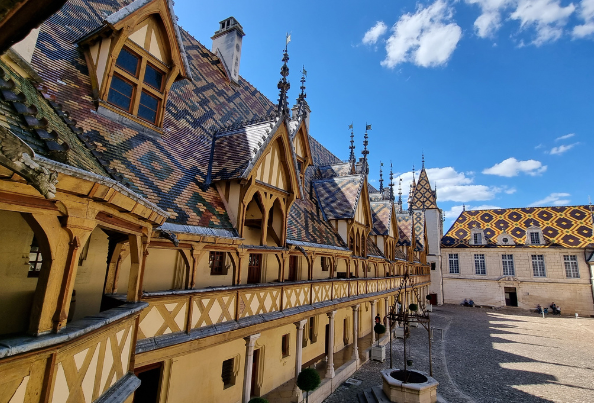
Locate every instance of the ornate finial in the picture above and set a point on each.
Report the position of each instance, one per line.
(391, 184)
(463, 207)
(400, 196)
(352, 146)
(381, 180)
(301, 102)
(423, 160)
(365, 152)
(283, 83)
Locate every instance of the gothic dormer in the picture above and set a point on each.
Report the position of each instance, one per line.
(477, 236)
(133, 59)
(534, 235)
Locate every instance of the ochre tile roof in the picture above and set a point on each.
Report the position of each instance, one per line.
(169, 169)
(566, 226)
(338, 197)
(423, 196)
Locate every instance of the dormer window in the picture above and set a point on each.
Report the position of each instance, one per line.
(535, 238)
(137, 85)
(478, 238)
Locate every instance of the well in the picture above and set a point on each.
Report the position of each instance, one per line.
(420, 388)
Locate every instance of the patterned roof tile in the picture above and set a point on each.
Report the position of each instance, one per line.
(338, 197)
(381, 213)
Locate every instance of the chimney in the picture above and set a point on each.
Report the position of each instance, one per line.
(226, 44)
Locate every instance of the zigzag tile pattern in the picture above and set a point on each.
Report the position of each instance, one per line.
(381, 213)
(566, 226)
(423, 197)
(339, 196)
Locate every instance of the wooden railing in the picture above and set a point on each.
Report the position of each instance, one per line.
(177, 311)
(80, 369)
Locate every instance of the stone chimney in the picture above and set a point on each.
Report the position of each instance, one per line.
(226, 44)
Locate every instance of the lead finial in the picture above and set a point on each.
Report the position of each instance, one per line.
(352, 159)
(391, 184)
(381, 180)
(423, 160)
(463, 207)
(283, 83)
(301, 102)
(365, 152)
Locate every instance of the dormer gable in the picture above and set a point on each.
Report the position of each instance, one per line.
(505, 239)
(133, 59)
(363, 210)
(534, 235)
(477, 236)
(301, 148)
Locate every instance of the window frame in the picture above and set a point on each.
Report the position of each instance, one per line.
(478, 259)
(509, 260)
(138, 82)
(567, 261)
(480, 238)
(232, 376)
(32, 264)
(454, 257)
(537, 234)
(535, 260)
(286, 345)
(211, 260)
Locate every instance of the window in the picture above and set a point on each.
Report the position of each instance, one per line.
(538, 266)
(312, 327)
(535, 238)
(285, 345)
(478, 238)
(216, 261)
(479, 264)
(35, 259)
(571, 266)
(454, 265)
(228, 373)
(133, 74)
(432, 265)
(325, 263)
(508, 265)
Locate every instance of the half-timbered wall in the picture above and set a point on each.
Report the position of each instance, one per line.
(272, 168)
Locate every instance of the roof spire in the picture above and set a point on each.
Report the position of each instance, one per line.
(381, 180)
(423, 160)
(352, 159)
(301, 102)
(365, 152)
(391, 184)
(400, 195)
(283, 83)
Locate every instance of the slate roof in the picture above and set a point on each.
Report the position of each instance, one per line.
(168, 170)
(564, 226)
(423, 197)
(381, 214)
(338, 197)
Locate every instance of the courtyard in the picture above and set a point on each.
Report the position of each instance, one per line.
(487, 355)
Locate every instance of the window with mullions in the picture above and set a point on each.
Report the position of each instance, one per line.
(454, 264)
(535, 238)
(137, 86)
(571, 266)
(508, 265)
(479, 264)
(538, 266)
(216, 261)
(35, 259)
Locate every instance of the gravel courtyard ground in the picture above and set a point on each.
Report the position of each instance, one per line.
(503, 355)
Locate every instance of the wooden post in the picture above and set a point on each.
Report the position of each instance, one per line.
(138, 254)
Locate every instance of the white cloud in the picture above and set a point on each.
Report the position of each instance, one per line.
(547, 17)
(510, 191)
(586, 11)
(539, 146)
(451, 185)
(562, 148)
(567, 136)
(426, 38)
(556, 199)
(512, 167)
(490, 20)
(373, 34)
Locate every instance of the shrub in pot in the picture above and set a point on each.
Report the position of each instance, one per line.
(308, 380)
(379, 329)
(413, 307)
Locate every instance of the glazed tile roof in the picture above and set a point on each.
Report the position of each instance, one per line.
(338, 197)
(399, 255)
(381, 213)
(419, 225)
(169, 169)
(405, 225)
(373, 250)
(41, 123)
(423, 197)
(565, 226)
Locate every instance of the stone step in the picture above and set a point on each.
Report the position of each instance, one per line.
(369, 396)
(361, 397)
(379, 395)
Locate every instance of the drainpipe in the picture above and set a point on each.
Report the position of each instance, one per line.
(589, 257)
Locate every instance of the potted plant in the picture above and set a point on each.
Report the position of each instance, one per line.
(308, 380)
(378, 353)
(413, 307)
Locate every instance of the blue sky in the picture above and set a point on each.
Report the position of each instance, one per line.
(498, 94)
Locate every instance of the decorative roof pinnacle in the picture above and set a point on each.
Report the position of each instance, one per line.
(423, 160)
(283, 83)
(391, 184)
(352, 159)
(365, 152)
(301, 102)
(381, 180)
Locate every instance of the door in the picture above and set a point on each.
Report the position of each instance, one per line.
(254, 268)
(255, 371)
(511, 296)
(150, 380)
(293, 268)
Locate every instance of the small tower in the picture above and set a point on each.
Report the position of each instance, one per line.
(227, 43)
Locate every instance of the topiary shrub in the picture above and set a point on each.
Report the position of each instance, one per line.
(308, 380)
(413, 307)
(379, 329)
(428, 297)
(258, 400)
